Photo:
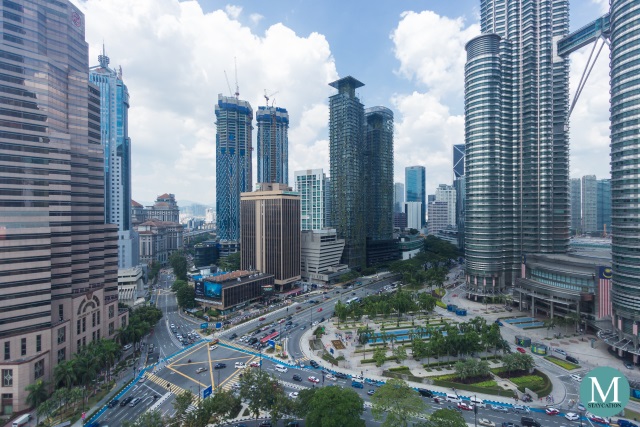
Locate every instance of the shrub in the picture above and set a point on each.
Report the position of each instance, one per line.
(562, 363)
(441, 304)
(400, 369)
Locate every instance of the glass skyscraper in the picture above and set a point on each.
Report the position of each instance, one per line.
(516, 146)
(458, 161)
(233, 162)
(575, 197)
(398, 196)
(114, 132)
(414, 182)
(273, 145)
(378, 176)
(589, 203)
(347, 162)
(603, 211)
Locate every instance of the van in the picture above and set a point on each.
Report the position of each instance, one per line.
(453, 398)
(478, 402)
(281, 368)
(22, 420)
(529, 422)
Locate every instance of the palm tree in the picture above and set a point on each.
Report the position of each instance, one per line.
(38, 392)
(549, 324)
(65, 373)
(573, 318)
(112, 352)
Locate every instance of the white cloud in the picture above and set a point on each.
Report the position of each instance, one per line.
(255, 18)
(430, 49)
(233, 11)
(174, 56)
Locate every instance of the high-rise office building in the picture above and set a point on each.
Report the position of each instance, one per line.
(59, 269)
(233, 162)
(603, 201)
(270, 233)
(575, 196)
(438, 216)
(328, 222)
(398, 197)
(516, 146)
(378, 173)
(589, 203)
(413, 215)
(273, 144)
(458, 161)
(346, 158)
(625, 169)
(414, 182)
(310, 185)
(460, 186)
(446, 193)
(114, 131)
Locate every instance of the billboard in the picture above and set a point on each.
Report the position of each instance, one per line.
(199, 288)
(213, 290)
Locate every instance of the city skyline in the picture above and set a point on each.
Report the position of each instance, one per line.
(172, 129)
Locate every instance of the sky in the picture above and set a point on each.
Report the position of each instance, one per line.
(409, 54)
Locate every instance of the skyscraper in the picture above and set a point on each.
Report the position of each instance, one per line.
(233, 162)
(575, 196)
(273, 144)
(625, 168)
(346, 157)
(446, 193)
(398, 196)
(378, 173)
(413, 214)
(603, 201)
(458, 161)
(589, 203)
(414, 181)
(59, 259)
(270, 233)
(516, 147)
(328, 210)
(310, 185)
(114, 131)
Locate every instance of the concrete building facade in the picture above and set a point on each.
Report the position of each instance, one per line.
(59, 260)
(439, 213)
(320, 254)
(446, 193)
(270, 233)
(413, 213)
(310, 185)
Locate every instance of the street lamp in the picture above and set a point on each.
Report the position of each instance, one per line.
(475, 411)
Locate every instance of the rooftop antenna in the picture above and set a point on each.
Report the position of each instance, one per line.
(236, 69)
(228, 85)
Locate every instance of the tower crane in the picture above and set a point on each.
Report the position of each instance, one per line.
(228, 85)
(267, 97)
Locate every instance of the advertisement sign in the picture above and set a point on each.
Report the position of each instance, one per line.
(213, 290)
(199, 288)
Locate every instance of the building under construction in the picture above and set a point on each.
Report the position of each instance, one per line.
(273, 144)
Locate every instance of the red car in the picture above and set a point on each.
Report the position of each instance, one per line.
(320, 309)
(314, 380)
(261, 319)
(521, 350)
(465, 406)
(597, 419)
(552, 411)
(254, 364)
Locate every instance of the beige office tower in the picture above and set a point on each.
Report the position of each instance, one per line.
(58, 260)
(270, 233)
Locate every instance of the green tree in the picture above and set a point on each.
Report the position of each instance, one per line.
(333, 406)
(230, 263)
(178, 262)
(45, 409)
(380, 355)
(154, 269)
(178, 284)
(146, 419)
(181, 403)
(419, 348)
(400, 353)
(37, 392)
(263, 392)
(186, 297)
(65, 373)
(396, 403)
(341, 311)
(550, 324)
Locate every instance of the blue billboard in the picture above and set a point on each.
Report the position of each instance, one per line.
(213, 290)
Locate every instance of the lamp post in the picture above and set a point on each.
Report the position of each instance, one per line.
(475, 411)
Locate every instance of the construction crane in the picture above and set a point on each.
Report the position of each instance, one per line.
(228, 85)
(235, 62)
(267, 97)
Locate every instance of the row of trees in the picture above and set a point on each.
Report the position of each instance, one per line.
(230, 263)
(570, 319)
(141, 321)
(399, 303)
(179, 264)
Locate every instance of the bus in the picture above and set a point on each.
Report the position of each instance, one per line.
(352, 300)
(272, 336)
(22, 421)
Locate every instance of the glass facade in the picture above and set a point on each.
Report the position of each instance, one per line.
(414, 181)
(575, 197)
(516, 146)
(589, 203)
(603, 200)
(273, 144)
(346, 158)
(233, 162)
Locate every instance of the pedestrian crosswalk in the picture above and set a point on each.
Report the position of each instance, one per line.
(166, 384)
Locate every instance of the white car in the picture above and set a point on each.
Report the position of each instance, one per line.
(126, 347)
(331, 377)
(240, 365)
(486, 422)
(576, 377)
(293, 394)
(572, 416)
(213, 347)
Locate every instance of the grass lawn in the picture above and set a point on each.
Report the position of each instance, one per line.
(628, 413)
(562, 363)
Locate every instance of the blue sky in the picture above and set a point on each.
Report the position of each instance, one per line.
(409, 54)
